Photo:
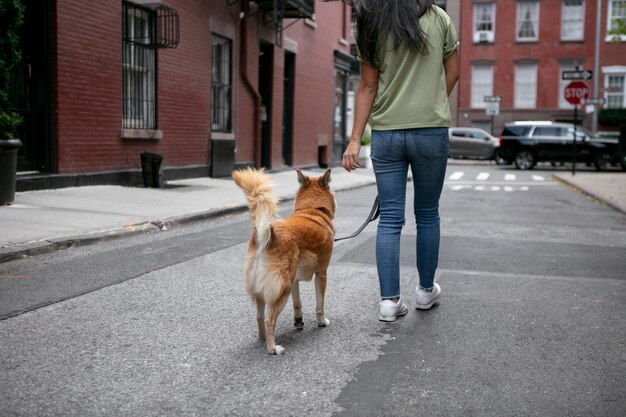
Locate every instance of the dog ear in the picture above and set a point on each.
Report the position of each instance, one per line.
(325, 179)
(302, 179)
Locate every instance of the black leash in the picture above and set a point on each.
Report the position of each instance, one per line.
(374, 213)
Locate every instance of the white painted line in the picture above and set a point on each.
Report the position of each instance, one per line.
(482, 176)
(508, 189)
(509, 177)
(524, 188)
(479, 188)
(538, 178)
(495, 188)
(456, 176)
(459, 187)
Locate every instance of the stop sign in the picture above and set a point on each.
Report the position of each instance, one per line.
(576, 91)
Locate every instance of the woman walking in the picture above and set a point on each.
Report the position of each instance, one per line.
(409, 66)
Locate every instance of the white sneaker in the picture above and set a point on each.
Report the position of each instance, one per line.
(426, 298)
(390, 311)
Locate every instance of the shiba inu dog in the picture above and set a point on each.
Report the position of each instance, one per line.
(284, 251)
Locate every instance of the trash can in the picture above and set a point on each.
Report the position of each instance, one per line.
(151, 169)
(8, 169)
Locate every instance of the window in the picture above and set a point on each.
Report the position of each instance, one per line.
(484, 22)
(525, 86)
(614, 95)
(552, 131)
(579, 132)
(482, 84)
(617, 19)
(573, 20)
(477, 135)
(138, 67)
(527, 21)
(221, 83)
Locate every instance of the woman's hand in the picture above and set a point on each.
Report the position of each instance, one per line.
(368, 86)
(351, 156)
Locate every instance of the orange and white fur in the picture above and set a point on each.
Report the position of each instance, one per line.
(284, 251)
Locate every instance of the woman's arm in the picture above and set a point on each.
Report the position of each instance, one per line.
(368, 86)
(452, 68)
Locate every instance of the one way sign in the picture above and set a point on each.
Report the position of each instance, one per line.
(577, 75)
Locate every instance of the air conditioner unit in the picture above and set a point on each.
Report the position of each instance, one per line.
(483, 36)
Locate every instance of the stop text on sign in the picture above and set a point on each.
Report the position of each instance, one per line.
(576, 92)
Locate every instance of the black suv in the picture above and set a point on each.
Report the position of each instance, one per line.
(526, 143)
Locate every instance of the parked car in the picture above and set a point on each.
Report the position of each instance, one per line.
(471, 143)
(526, 143)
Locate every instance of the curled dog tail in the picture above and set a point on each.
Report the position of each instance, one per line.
(261, 200)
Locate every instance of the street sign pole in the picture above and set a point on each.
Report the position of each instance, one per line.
(575, 134)
(493, 108)
(576, 93)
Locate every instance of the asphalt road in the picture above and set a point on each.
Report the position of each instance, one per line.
(532, 320)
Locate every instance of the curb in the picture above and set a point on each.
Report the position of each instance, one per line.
(598, 198)
(41, 247)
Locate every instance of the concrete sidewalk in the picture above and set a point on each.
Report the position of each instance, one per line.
(41, 221)
(609, 188)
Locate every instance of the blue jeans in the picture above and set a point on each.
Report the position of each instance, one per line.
(393, 151)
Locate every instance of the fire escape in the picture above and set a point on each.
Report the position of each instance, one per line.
(276, 11)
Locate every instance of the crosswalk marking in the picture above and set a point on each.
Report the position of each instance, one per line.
(456, 176)
(459, 187)
(495, 181)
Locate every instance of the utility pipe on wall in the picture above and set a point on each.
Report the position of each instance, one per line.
(596, 65)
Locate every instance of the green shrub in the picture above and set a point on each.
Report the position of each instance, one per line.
(612, 117)
(11, 19)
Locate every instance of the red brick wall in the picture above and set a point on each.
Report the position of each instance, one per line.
(506, 51)
(548, 52)
(314, 83)
(276, 152)
(88, 86)
(314, 88)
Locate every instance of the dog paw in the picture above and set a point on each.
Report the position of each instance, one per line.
(323, 323)
(278, 350)
(298, 323)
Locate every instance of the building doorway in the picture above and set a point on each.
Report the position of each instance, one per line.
(288, 91)
(31, 92)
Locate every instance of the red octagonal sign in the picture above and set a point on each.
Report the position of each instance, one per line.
(576, 91)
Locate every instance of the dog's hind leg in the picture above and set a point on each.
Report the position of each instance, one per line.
(297, 305)
(260, 316)
(320, 292)
(270, 324)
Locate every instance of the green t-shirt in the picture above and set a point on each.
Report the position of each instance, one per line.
(412, 87)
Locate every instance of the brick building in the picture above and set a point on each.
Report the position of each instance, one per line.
(518, 49)
(208, 84)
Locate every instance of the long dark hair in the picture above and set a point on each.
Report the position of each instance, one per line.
(379, 19)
